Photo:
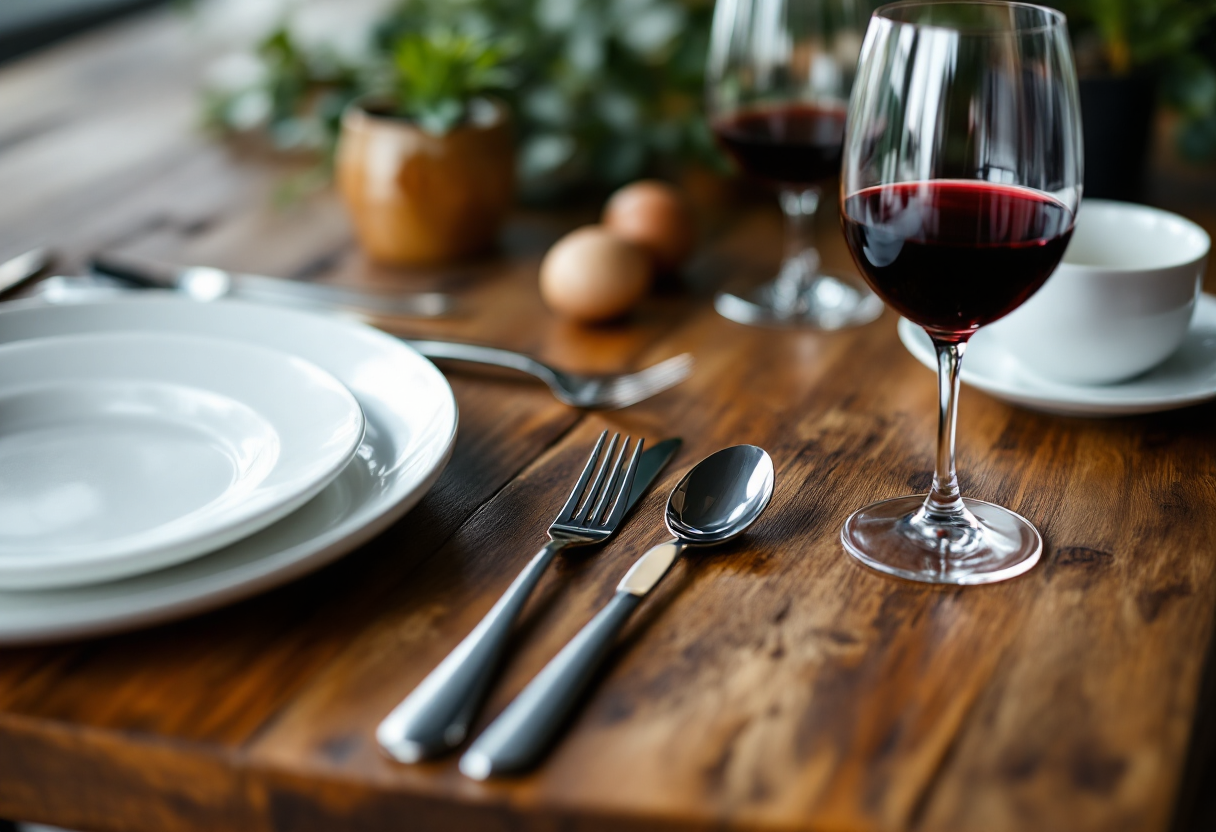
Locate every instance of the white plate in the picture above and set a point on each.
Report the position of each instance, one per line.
(411, 427)
(1187, 377)
(128, 452)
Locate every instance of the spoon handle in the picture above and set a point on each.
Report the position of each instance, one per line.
(515, 741)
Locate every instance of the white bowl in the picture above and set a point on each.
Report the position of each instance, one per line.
(1121, 301)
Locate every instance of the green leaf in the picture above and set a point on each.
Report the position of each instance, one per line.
(438, 74)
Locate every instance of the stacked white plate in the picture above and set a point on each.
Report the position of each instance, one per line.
(160, 457)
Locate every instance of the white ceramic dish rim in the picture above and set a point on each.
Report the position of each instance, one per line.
(247, 567)
(1068, 399)
(1133, 208)
(290, 481)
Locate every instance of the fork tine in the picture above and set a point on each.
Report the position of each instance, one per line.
(622, 497)
(610, 486)
(677, 368)
(585, 512)
(643, 384)
(572, 503)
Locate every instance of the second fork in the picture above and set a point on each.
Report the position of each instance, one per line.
(595, 392)
(435, 717)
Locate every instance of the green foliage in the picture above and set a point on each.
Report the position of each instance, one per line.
(297, 97)
(1190, 87)
(602, 91)
(605, 90)
(1118, 36)
(294, 75)
(437, 75)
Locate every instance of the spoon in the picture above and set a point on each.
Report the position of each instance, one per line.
(715, 501)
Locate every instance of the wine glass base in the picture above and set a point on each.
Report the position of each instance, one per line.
(883, 537)
(825, 302)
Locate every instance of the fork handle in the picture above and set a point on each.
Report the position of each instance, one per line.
(476, 354)
(435, 717)
(521, 734)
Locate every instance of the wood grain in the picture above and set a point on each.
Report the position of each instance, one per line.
(772, 684)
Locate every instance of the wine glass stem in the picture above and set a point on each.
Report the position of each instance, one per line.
(944, 501)
(799, 206)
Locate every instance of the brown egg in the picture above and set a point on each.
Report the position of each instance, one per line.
(653, 215)
(592, 275)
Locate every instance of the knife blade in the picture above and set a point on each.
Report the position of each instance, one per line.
(650, 465)
(204, 283)
(21, 268)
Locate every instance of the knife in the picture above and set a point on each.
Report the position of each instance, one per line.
(204, 283)
(21, 268)
(653, 461)
(435, 717)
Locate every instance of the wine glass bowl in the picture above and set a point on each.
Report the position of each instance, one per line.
(960, 182)
(778, 79)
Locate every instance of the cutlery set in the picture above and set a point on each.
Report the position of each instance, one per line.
(714, 502)
(91, 349)
(111, 275)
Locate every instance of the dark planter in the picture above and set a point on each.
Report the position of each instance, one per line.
(1117, 117)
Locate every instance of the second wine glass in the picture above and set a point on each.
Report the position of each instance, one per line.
(778, 84)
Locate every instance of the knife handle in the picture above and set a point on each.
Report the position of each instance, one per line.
(435, 717)
(515, 741)
(146, 277)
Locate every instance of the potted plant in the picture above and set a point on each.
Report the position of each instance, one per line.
(426, 168)
(1123, 49)
(601, 93)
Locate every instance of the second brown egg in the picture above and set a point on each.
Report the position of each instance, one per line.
(654, 216)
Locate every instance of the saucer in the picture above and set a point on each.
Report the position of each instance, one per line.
(128, 452)
(1186, 378)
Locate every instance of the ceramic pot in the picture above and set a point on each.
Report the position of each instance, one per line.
(415, 197)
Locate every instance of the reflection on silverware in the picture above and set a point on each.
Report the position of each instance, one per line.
(205, 283)
(435, 717)
(715, 501)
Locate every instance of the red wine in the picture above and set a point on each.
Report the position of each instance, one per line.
(796, 144)
(953, 256)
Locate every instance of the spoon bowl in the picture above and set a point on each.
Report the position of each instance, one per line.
(721, 496)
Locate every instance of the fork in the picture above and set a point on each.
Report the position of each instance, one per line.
(598, 392)
(435, 717)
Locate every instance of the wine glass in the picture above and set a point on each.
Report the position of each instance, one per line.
(777, 87)
(961, 178)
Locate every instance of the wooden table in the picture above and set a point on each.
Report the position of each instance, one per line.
(771, 685)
